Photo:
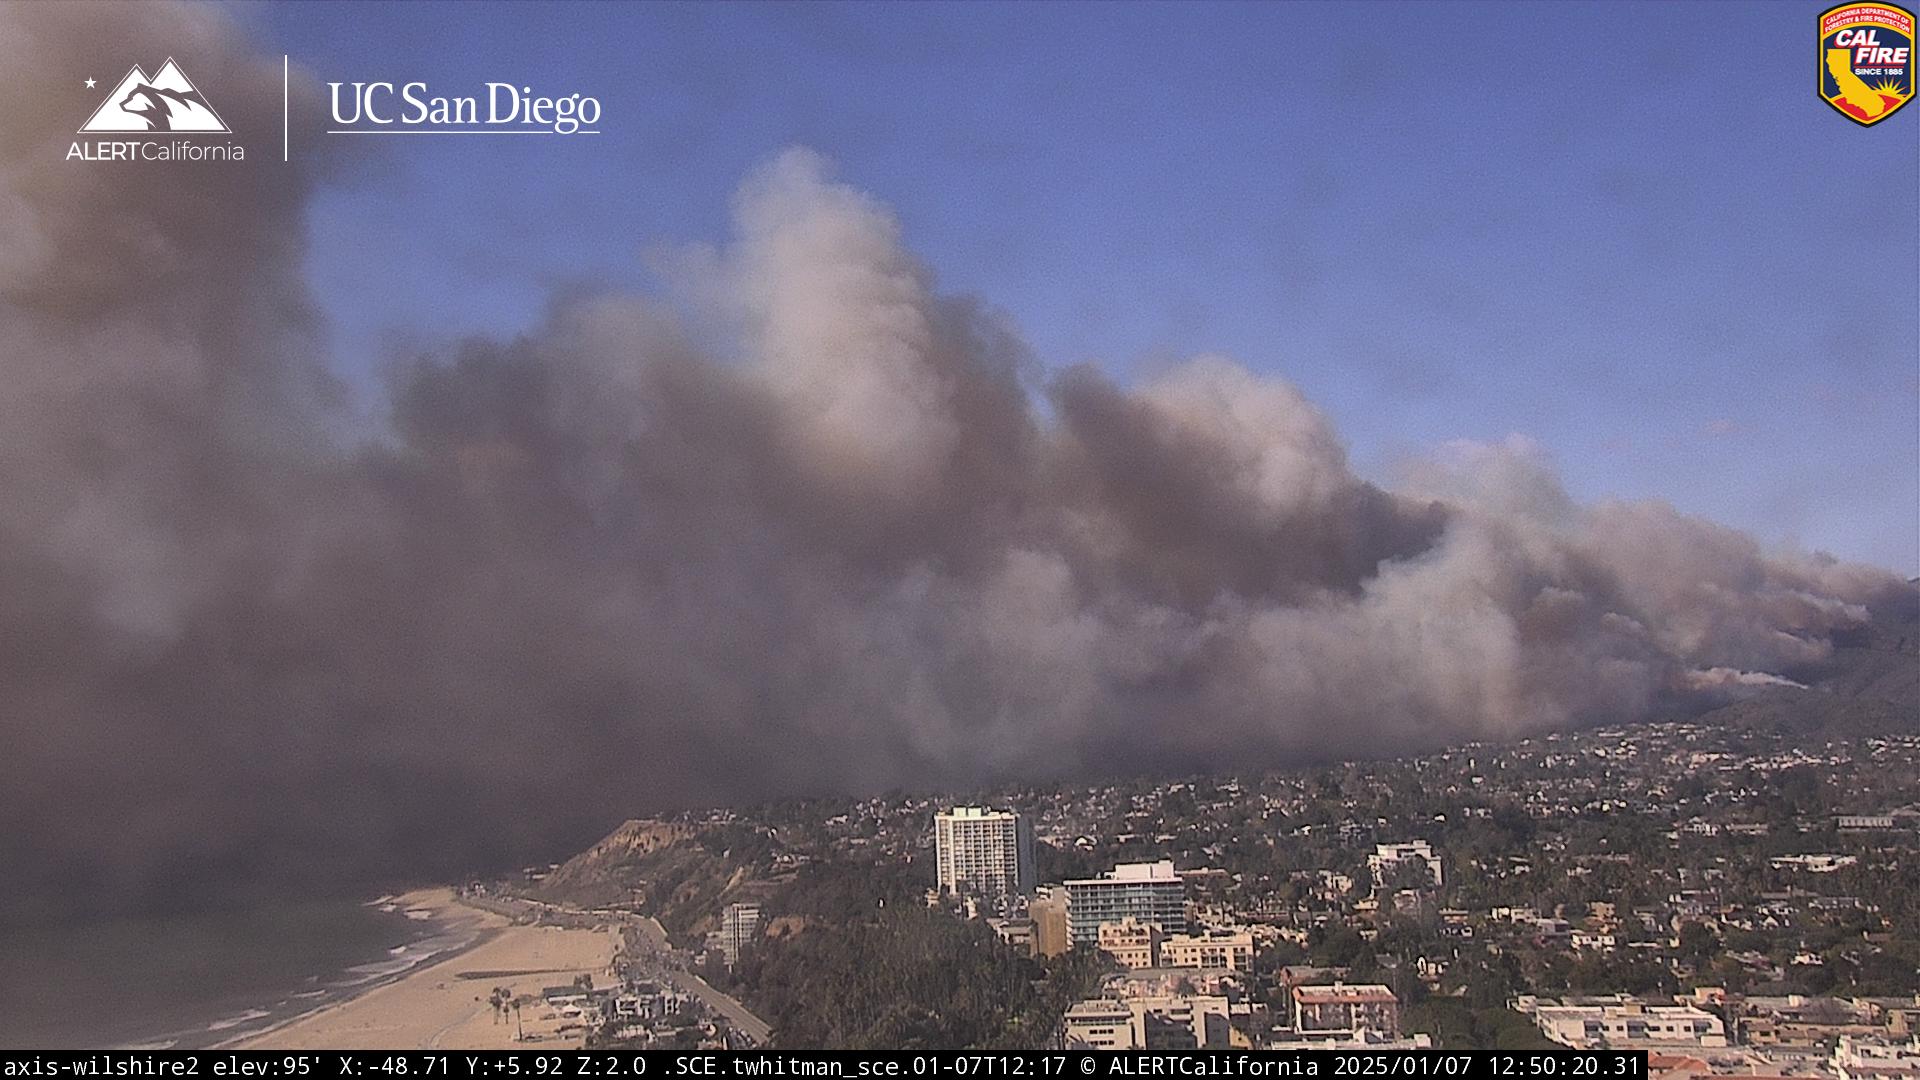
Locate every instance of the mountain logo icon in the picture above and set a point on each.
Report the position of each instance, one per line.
(166, 102)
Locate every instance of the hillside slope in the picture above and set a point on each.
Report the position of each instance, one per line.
(1869, 685)
(679, 873)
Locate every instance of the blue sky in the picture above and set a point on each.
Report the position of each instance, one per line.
(1628, 231)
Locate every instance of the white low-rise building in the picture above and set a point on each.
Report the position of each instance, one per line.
(1365, 1040)
(1100, 1024)
(1814, 864)
(1387, 859)
(1170, 1022)
(1626, 1024)
(1856, 1058)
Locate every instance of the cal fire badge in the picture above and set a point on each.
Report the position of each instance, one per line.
(1866, 60)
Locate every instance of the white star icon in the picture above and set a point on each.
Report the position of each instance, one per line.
(89, 84)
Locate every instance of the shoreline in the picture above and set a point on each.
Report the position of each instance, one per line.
(205, 980)
(445, 1001)
(440, 901)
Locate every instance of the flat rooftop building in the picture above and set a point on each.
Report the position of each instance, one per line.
(1387, 859)
(1627, 1025)
(1343, 1010)
(984, 853)
(1173, 1022)
(1223, 950)
(1100, 1024)
(1145, 892)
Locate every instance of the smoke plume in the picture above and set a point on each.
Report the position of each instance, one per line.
(611, 566)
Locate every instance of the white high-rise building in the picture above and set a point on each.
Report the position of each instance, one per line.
(984, 853)
(739, 927)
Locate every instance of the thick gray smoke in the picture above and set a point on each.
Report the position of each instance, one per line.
(609, 567)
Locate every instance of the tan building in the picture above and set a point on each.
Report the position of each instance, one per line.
(1227, 950)
(1049, 914)
(1344, 1011)
(1169, 982)
(1134, 944)
(1140, 945)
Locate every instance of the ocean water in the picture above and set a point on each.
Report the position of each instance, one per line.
(194, 981)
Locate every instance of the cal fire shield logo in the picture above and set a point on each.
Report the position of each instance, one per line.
(1866, 60)
(166, 102)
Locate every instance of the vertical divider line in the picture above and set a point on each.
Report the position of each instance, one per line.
(286, 64)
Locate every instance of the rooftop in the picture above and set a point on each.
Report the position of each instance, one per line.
(976, 812)
(1161, 871)
(1341, 993)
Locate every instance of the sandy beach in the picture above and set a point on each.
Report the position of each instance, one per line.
(444, 1005)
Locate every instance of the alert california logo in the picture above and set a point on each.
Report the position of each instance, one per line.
(1865, 61)
(166, 106)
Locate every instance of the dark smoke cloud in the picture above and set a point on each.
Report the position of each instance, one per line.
(611, 567)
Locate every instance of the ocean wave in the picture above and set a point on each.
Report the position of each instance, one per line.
(361, 974)
(405, 957)
(241, 1018)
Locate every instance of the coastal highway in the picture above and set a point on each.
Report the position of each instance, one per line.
(651, 934)
(737, 1014)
